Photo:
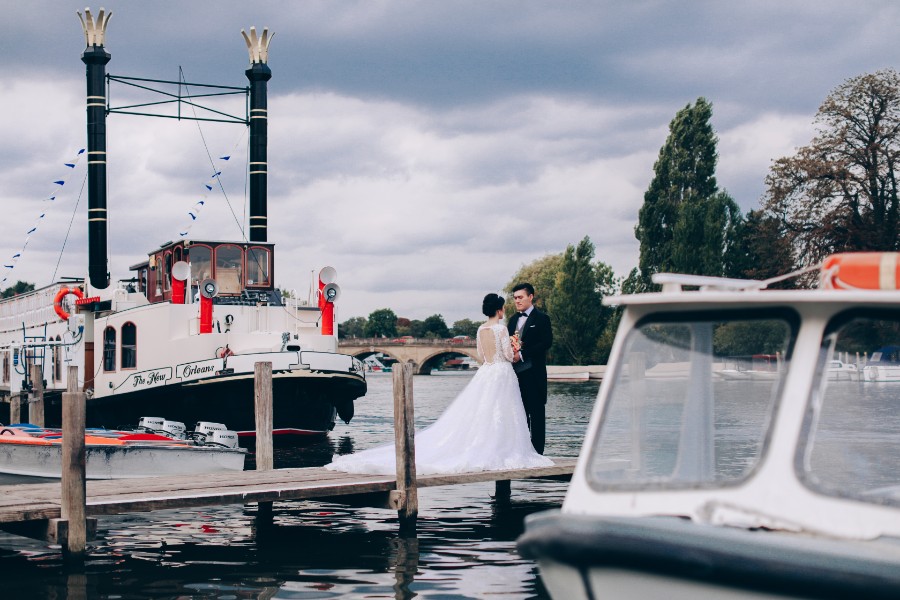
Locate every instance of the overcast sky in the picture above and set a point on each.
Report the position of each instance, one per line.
(426, 150)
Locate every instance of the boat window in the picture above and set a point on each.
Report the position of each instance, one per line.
(201, 264)
(691, 400)
(258, 266)
(129, 346)
(167, 271)
(109, 349)
(851, 441)
(228, 269)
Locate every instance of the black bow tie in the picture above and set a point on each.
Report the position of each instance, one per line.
(523, 315)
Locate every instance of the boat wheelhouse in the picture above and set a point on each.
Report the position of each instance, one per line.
(692, 485)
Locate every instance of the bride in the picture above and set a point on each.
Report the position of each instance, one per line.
(483, 429)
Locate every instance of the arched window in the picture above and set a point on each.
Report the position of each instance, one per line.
(57, 360)
(201, 263)
(229, 269)
(109, 349)
(167, 271)
(129, 346)
(258, 266)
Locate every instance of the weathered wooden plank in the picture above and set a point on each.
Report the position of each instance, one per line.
(405, 448)
(42, 501)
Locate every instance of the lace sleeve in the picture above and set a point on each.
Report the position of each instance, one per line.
(505, 344)
(478, 347)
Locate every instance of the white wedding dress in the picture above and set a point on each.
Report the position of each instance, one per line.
(483, 429)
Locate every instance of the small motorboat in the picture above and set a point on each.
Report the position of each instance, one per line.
(700, 486)
(30, 451)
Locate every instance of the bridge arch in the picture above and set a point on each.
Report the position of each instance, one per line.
(421, 352)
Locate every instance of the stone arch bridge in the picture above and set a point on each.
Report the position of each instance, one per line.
(423, 353)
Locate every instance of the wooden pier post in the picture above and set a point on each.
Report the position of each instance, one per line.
(265, 457)
(72, 510)
(407, 499)
(15, 408)
(36, 397)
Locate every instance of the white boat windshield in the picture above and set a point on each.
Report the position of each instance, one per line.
(692, 400)
(852, 427)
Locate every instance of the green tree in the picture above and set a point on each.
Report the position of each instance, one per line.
(354, 327)
(381, 323)
(541, 274)
(686, 224)
(465, 327)
(435, 327)
(575, 307)
(764, 250)
(840, 193)
(20, 287)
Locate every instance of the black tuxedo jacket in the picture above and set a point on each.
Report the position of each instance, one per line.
(537, 337)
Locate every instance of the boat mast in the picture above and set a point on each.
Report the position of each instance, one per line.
(259, 74)
(95, 58)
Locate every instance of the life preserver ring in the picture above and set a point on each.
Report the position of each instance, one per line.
(862, 271)
(57, 301)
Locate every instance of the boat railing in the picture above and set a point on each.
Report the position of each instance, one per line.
(31, 309)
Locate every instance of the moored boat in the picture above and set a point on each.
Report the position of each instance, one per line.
(183, 334)
(37, 452)
(704, 487)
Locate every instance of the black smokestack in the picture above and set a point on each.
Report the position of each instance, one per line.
(259, 74)
(95, 58)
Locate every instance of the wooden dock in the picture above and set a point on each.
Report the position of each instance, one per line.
(41, 502)
(65, 512)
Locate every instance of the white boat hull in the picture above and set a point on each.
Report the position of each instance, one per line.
(121, 462)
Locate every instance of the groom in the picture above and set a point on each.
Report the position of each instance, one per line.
(535, 336)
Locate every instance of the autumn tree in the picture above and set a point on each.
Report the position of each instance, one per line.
(686, 223)
(840, 192)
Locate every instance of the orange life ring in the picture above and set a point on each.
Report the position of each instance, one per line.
(862, 271)
(57, 301)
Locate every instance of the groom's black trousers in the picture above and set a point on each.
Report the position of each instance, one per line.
(537, 424)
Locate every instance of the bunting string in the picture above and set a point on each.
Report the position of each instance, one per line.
(10, 265)
(212, 182)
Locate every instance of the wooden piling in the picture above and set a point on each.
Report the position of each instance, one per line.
(407, 499)
(36, 397)
(15, 408)
(72, 509)
(265, 456)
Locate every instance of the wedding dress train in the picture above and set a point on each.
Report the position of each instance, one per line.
(483, 429)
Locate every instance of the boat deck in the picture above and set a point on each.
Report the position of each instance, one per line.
(35, 502)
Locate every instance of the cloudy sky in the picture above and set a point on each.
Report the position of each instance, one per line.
(426, 150)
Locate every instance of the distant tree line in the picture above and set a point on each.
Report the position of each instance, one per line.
(384, 322)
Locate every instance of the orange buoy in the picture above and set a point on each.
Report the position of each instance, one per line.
(861, 271)
(57, 301)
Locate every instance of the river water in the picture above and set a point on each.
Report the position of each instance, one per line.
(465, 547)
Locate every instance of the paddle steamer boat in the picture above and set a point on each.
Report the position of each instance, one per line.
(182, 334)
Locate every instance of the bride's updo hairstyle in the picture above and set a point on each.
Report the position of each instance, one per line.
(491, 304)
